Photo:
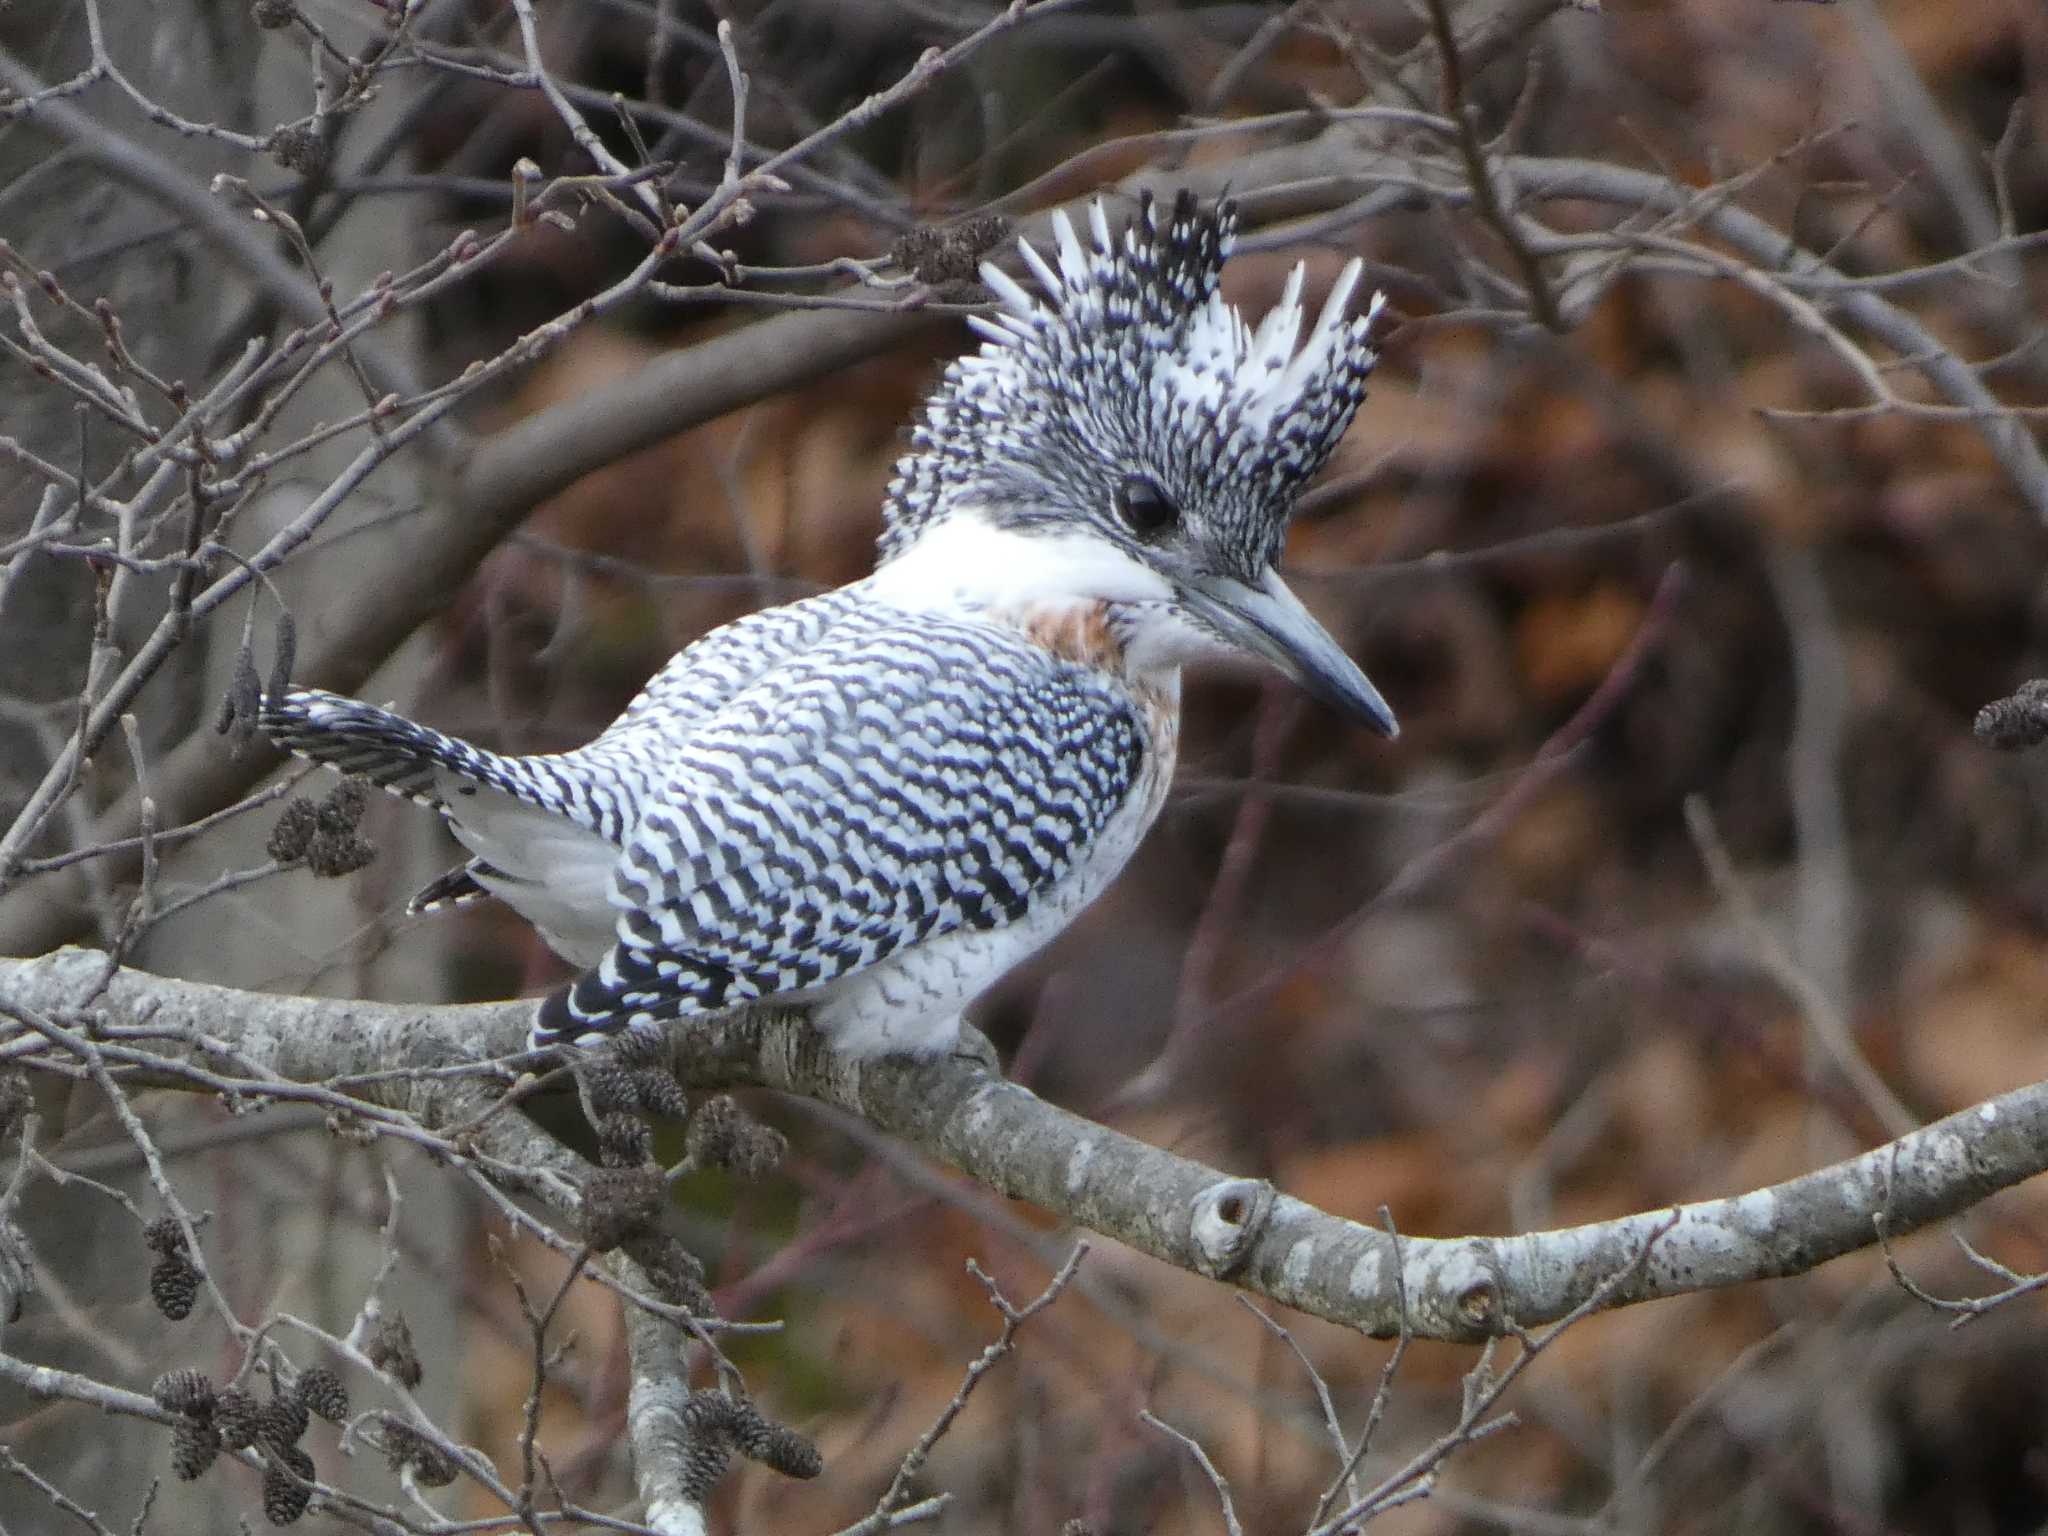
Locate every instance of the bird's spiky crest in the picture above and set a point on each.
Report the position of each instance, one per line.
(1132, 362)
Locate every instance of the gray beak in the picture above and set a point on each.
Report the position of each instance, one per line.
(1269, 621)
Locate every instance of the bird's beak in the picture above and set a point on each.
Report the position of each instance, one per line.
(1269, 621)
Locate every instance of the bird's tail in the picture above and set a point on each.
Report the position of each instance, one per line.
(387, 749)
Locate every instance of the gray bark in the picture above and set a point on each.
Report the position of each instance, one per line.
(1180, 1211)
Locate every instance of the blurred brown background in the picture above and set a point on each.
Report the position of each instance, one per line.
(1558, 1020)
(1479, 977)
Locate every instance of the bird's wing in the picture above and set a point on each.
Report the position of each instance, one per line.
(902, 778)
(598, 786)
(547, 829)
(615, 774)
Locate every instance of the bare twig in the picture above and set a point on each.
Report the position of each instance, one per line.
(1486, 194)
(894, 1499)
(1830, 1029)
(1216, 1479)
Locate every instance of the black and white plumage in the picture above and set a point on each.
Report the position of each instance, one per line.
(876, 801)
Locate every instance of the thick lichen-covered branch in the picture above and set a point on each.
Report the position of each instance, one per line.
(1189, 1215)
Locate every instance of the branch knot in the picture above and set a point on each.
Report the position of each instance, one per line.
(1224, 1224)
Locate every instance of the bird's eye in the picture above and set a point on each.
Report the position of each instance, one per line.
(1144, 507)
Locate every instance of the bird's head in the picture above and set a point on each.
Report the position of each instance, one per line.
(1133, 422)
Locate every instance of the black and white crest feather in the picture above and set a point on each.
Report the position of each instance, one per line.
(1133, 363)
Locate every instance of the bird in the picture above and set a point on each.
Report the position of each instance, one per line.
(873, 802)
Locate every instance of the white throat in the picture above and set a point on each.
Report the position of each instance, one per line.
(967, 567)
(967, 564)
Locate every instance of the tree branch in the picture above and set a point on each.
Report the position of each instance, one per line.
(1180, 1211)
(244, 245)
(316, 1041)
